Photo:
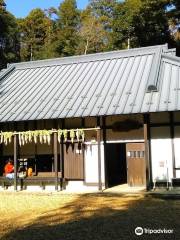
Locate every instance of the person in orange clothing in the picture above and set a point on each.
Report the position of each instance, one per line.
(9, 169)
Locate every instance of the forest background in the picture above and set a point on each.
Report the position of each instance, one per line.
(104, 25)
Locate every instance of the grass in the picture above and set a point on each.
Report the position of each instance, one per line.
(36, 216)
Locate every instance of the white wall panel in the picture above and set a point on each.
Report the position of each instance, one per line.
(177, 146)
(91, 163)
(161, 152)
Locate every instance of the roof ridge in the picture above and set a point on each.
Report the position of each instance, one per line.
(5, 72)
(172, 58)
(153, 79)
(90, 57)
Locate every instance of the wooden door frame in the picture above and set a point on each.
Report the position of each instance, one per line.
(147, 137)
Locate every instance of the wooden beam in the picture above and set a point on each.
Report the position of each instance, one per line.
(172, 143)
(164, 124)
(15, 162)
(98, 120)
(56, 161)
(62, 155)
(83, 148)
(147, 151)
(83, 122)
(35, 150)
(1, 155)
(1, 147)
(99, 159)
(105, 145)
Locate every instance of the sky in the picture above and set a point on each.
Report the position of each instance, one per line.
(21, 8)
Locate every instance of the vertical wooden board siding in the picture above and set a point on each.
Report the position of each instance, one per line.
(162, 117)
(73, 162)
(176, 116)
(90, 122)
(27, 149)
(8, 149)
(73, 123)
(45, 148)
(136, 175)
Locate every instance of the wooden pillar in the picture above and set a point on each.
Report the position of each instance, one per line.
(172, 142)
(62, 156)
(82, 149)
(98, 121)
(105, 144)
(56, 161)
(1, 157)
(83, 122)
(99, 159)
(35, 151)
(15, 162)
(62, 161)
(1, 149)
(147, 151)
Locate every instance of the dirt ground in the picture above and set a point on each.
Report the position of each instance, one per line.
(56, 216)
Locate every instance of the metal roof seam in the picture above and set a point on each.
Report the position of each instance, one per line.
(11, 80)
(132, 83)
(78, 62)
(15, 84)
(28, 88)
(88, 80)
(177, 86)
(146, 87)
(6, 72)
(170, 57)
(153, 80)
(92, 86)
(138, 85)
(97, 84)
(160, 86)
(111, 84)
(104, 81)
(11, 94)
(46, 83)
(168, 89)
(125, 82)
(65, 82)
(74, 86)
(131, 77)
(82, 84)
(125, 66)
(105, 84)
(68, 82)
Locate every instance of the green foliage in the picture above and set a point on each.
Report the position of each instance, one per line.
(92, 35)
(151, 23)
(9, 37)
(34, 30)
(123, 23)
(103, 11)
(104, 25)
(174, 25)
(68, 24)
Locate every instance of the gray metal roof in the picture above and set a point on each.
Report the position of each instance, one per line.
(110, 83)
